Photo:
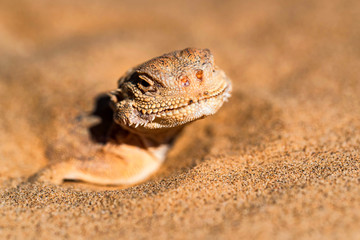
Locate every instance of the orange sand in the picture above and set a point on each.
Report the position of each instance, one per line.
(279, 161)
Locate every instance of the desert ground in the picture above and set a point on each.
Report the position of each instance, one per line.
(280, 160)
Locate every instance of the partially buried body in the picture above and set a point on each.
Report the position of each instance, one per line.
(152, 103)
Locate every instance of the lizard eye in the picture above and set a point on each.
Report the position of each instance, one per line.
(144, 83)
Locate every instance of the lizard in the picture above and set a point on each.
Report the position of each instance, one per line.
(151, 104)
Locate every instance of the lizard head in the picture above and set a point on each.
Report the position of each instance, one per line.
(170, 91)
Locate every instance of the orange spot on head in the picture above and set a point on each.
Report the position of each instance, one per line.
(199, 74)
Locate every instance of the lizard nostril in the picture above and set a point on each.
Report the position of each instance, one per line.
(185, 81)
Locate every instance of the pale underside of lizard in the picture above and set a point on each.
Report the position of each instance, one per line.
(151, 105)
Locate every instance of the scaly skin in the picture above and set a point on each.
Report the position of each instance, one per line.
(151, 105)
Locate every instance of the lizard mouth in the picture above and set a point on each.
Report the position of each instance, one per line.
(189, 105)
(204, 99)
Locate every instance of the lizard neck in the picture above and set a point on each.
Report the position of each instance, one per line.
(156, 141)
(156, 136)
(152, 137)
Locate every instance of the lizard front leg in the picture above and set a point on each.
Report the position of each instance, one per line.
(111, 165)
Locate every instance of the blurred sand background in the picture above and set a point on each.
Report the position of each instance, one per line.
(280, 160)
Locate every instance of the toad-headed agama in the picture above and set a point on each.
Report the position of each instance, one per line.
(151, 105)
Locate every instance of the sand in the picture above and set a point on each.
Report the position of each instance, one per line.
(280, 160)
